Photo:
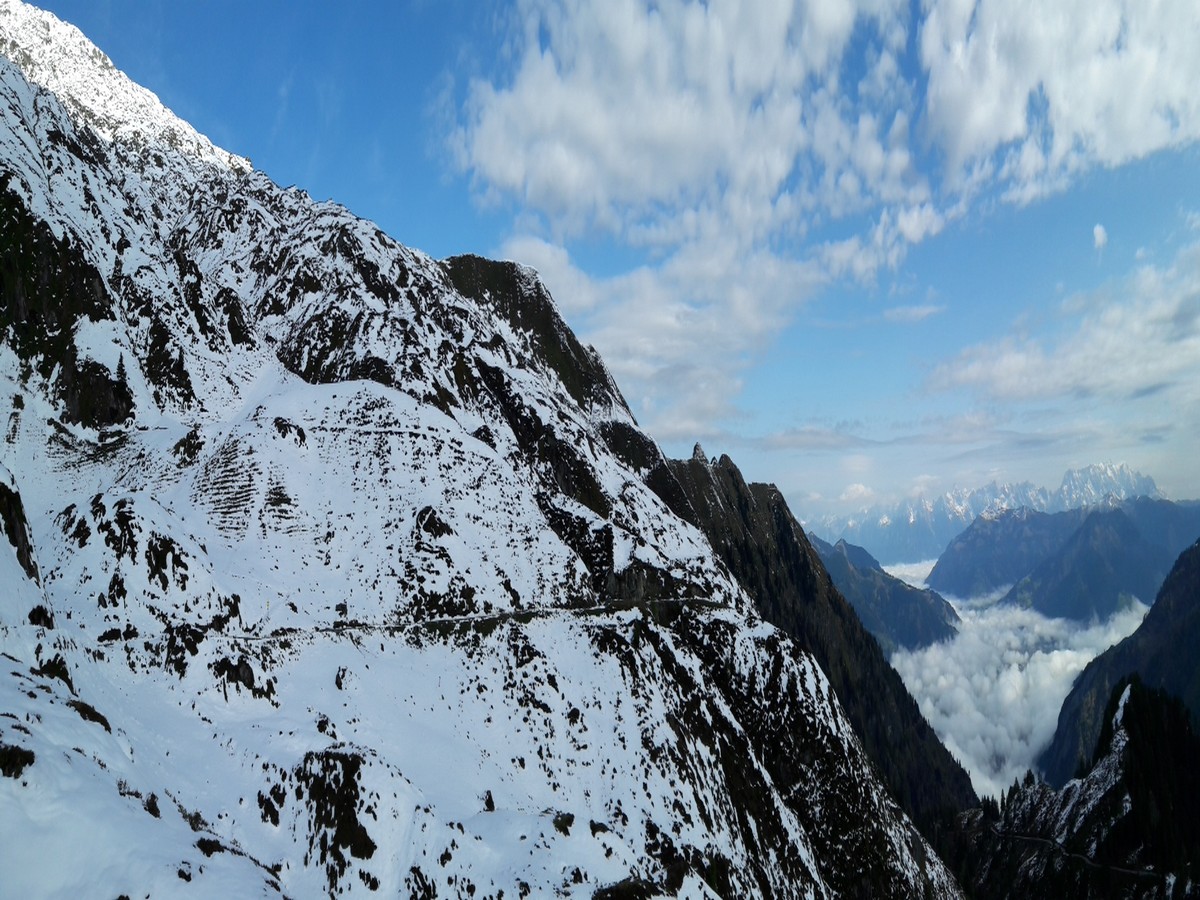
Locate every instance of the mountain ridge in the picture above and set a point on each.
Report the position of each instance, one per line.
(919, 530)
(1124, 826)
(354, 582)
(1161, 652)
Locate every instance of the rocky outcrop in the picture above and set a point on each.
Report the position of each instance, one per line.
(1125, 827)
(755, 534)
(374, 585)
(1161, 652)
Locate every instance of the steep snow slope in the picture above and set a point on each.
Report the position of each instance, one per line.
(336, 568)
(1124, 827)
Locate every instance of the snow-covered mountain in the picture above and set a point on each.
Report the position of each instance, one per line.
(921, 528)
(332, 568)
(1125, 826)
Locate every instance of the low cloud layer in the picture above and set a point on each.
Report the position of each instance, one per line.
(993, 693)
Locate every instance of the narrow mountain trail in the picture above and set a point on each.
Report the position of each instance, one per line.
(1086, 860)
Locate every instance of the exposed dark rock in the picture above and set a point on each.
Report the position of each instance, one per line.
(755, 534)
(526, 304)
(46, 286)
(92, 395)
(14, 760)
(41, 617)
(88, 713)
(556, 461)
(331, 786)
(1163, 652)
(1126, 827)
(165, 367)
(897, 614)
(56, 667)
(16, 529)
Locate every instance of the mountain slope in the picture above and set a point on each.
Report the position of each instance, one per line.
(898, 614)
(334, 568)
(1126, 828)
(765, 548)
(1162, 652)
(1103, 565)
(1072, 563)
(999, 549)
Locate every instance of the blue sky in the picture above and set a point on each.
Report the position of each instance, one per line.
(866, 248)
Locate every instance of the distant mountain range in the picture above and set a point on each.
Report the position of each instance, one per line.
(1077, 564)
(920, 529)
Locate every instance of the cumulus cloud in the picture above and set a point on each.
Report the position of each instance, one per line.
(1057, 91)
(745, 154)
(658, 121)
(857, 493)
(993, 693)
(1099, 236)
(1136, 340)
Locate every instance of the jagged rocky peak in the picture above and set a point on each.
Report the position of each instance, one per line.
(355, 573)
(1101, 483)
(920, 529)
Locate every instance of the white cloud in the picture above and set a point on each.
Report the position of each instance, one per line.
(746, 153)
(916, 313)
(574, 291)
(1099, 236)
(1131, 341)
(993, 693)
(1057, 90)
(857, 493)
(677, 335)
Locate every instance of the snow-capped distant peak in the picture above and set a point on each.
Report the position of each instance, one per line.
(1097, 483)
(919, 528)
(56, 55)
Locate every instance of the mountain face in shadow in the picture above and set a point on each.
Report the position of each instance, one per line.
(756, 536)
(899, 615)
(1126, 826)
(1164, 652)
(1103, 566)
(999, 549)
(1076, 564)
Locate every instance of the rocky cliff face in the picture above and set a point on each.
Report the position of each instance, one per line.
(899, 615)
(329, 567)
(999, 549)
(1164, 652)
(755, 534)
(1125, 827)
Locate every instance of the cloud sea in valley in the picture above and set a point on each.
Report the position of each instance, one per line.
(993, 692)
